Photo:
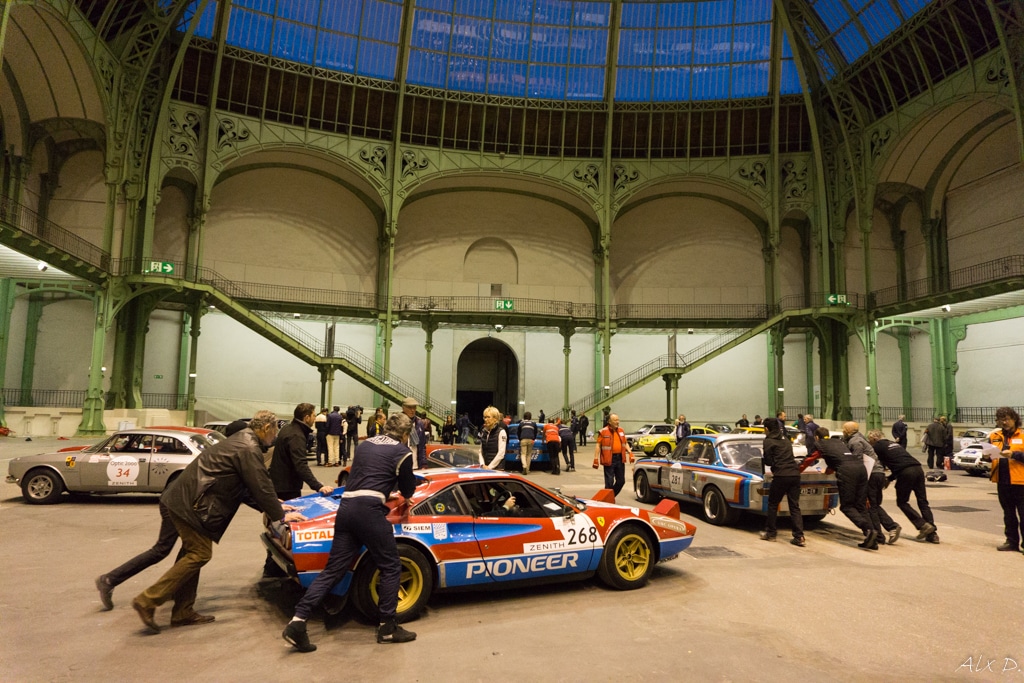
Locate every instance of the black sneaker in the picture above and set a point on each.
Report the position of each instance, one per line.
(766, 536)
(295, 634)
(933, 538)
(925, 530)
(1007, 546)
(870, 541)
(391, 632)
(106, 592)
(799, 541)
(894, 535)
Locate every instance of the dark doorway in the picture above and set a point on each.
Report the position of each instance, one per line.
(487, 374)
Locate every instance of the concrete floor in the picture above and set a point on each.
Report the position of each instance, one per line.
(753, 611)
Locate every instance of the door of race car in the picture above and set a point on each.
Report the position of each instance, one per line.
(532, 540)
(682, 478)
(123, 463)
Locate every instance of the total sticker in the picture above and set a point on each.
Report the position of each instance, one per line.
(123, 471)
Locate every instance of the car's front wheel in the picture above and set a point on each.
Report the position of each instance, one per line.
(42, 487)
(716, 508)
(642, 489)
(414, 588)
(628, 558)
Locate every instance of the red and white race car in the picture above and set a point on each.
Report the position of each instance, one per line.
(458, 534)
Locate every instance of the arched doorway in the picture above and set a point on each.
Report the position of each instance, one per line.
(487, 374)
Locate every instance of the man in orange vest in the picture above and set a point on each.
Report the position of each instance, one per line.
(1008, 474)
(612, 452)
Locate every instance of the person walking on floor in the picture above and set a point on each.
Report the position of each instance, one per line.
(553, 444)
(612, 452)
(851, 478)
(860, 447)
(527, 433)
(335, 428)
(1008, 475)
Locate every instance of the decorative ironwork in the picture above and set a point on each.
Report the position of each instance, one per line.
(755, 173)
(413, 163)
(998, 73)
(184, 134)
(794, 181)
(623, 176)
(879, 139)
(377, 158)
(589, 175)
(229, 133)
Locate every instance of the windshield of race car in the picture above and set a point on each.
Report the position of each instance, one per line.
(736, 454)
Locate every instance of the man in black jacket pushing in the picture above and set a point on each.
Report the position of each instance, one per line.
(201, 503)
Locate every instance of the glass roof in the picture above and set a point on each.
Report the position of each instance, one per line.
(557, 49)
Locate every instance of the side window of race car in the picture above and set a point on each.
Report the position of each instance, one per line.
(684, 452)
(444, 503)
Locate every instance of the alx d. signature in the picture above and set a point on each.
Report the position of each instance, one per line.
(1004, 665)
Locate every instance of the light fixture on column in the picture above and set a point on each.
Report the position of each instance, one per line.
(192, 375)
(867, 388)
(42, 266)
(780, 389)
(103, 368)
(947, 308)
(498, 327)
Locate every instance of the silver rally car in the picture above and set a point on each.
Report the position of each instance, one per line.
(723, 473)
(135, 460)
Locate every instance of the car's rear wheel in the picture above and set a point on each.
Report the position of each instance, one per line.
(414, 590)
(342, 478)
(717, 510)
(42, 487)
(642, 489)
(662, 450)
(628, 558)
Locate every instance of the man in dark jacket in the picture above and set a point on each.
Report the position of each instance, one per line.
(935, 440)
(384, 463)
(909, 476)
(288, 467)
(778, 454)
(899, 431)
(852, 480)
(335, 428)
(201, 503)
(860, 447)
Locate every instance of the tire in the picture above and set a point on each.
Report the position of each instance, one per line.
(417, 585)
(628, 558)
(642, 489)
(716, 509)
(662, 450)
(342, 478)
(42, 487)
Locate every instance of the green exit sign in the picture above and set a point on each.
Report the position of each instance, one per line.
(503, 305)
(161, 267)
(838, 300)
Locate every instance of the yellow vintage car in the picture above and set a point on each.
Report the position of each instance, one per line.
(662, 444)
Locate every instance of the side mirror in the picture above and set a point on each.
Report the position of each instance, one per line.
(568, 513)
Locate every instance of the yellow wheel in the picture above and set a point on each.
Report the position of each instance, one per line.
(414, 588)
(628, 559)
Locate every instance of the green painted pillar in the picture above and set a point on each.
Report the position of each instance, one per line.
(378, 360)
(566, 351)
(323, 388)
(28, 361)
(671, 397)
(809, 356)
(183, 371)
(906, 372)
(92, 411)
(776, 402)
(874, 412)
(193, 363)
(429, 328)
(7, 292)
(943, 362)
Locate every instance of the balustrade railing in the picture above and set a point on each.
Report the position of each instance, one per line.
(30, 222)
(961, 278)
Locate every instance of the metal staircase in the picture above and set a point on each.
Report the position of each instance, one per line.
(669, 364)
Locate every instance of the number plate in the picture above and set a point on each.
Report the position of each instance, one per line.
(811, 491)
